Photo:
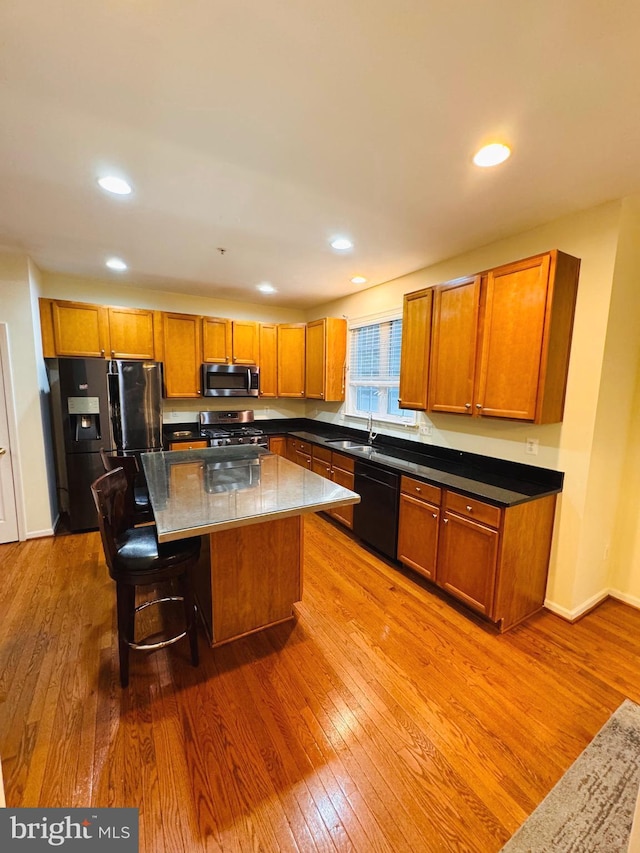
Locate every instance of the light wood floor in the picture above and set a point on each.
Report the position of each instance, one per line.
(384, 719)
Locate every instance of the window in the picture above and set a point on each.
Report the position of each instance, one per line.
(374, 370)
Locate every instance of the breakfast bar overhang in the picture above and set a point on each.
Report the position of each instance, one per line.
(247, 504)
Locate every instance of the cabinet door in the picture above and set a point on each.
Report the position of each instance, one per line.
(132, 333)
(268, 359)
(514, 322)
(416, 345)
(418, 535)
(216, 340)
(343, 514)
(453, 346)
(316, 359)
(291, 359)
(245, 342)
(80, 329)
(467, 557)
(278, 445)
(182, 355)
(187, 445)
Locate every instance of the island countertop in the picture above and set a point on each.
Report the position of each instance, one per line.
(195, 492)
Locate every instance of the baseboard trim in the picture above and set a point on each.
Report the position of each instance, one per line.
(40, 534)
(632, 600)
(580, 611)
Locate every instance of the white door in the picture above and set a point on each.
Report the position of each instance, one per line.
(8, 511)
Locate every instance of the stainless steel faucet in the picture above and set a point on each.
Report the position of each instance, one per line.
(372, 434)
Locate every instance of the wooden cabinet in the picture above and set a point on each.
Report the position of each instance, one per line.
(495, 560)
(416, 349)
(501, 341)
(268, 359)
(182, 355)
(278, 445)
(299, 452)
(468, 552)
(188, 445)
(342, 474)
(291, 359)
(216, 340)
(74, 329)
(244, 342)
(134, 332)
(418, 526)
(453, 346)
(326, 349)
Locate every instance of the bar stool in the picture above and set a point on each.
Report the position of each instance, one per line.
(138, 503)
(136, 558)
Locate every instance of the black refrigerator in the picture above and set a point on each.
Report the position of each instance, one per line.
(96, 404)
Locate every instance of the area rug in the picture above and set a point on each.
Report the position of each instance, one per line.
(590, 810)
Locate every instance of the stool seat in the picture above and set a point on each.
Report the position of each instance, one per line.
(136, 558)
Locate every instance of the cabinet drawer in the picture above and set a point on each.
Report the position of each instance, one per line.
(472, 508)
(301, 446)
(322, 453)
(423, 491)
(346, 463)
(188, 445)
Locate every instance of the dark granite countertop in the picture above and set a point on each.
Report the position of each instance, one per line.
(497, 481)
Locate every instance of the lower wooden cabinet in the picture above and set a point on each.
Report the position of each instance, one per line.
(342, 474)
(188, 445)
(328, 464)
(299, 452)
(278, 445)
(495, 560)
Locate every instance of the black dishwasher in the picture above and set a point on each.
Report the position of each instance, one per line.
(375, 518)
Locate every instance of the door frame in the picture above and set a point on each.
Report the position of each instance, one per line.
(12, 423)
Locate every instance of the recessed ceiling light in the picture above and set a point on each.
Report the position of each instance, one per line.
(341, 243)
(116, 264)
(492, 155)
(112, 184)
(265, 287)
(358, 279)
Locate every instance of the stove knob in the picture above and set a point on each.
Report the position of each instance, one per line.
(227, 440)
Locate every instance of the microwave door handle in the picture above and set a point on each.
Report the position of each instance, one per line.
(248, 379)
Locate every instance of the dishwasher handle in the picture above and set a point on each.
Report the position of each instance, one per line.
(377, 475)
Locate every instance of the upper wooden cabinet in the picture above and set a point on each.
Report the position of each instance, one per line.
(501, 341)
(85, 330)
(268, 359)
(416, 348)
(291, 359)
(453, 346)
(74, 329)
(245, 342)
(216, 340)
(326, 346)
(134, 333)
(182, 355)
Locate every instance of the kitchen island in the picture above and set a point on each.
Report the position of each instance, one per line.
(247, 504)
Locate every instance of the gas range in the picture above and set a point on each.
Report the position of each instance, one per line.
(222, 429)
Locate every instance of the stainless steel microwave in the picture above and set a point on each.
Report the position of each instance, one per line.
(230, 380)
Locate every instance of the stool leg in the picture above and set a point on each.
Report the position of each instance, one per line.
(126, 602)
(190, 616)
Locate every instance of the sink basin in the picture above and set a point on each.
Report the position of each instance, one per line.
(348, 444)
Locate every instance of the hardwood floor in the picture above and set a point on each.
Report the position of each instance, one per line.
(383, 719)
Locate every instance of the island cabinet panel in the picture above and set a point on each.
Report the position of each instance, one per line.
(418, 526)
(182, 355)
(216, 340)
(326, 352)
(291, 359)
(416, 349)
(268, 359)
(133, 333)
(453, 346)
(247, 595)
(245, 342)
(80, 329)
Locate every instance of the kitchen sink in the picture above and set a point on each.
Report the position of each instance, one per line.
(348, 444)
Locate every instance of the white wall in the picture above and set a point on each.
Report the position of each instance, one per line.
(16, 310)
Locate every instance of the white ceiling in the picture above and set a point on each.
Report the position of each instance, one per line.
(266, 127)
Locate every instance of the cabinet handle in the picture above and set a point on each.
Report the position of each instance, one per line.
(469, 508)
(467, 405)
(101, 352)
(113, 353)
(328, 470)
(434, 514)
(418, 489)
(446, 521)
(478, 405)
(3, 450)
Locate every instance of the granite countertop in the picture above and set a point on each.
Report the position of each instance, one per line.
(496, 481)
(194, 492)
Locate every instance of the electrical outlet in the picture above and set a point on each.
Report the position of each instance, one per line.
(531, 446)
(426, 429)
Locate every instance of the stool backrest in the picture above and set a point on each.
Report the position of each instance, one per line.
(110, 495)
(129, 465)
